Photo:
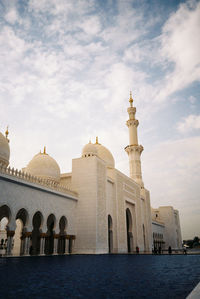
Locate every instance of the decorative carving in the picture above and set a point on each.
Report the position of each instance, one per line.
(132, 122)
(133, 147)
(36, 180)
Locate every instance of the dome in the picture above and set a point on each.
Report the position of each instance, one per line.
(44, 166)
(89, 150)
(105, 155)
(4, 150)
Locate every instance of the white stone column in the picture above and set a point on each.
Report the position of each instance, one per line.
(42, 243)
(55, 244)
(10, 235)
(27, 243)
(66, 245)
(72, 245)
(25, 246)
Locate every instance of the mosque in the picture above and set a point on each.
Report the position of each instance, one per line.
(94, 209)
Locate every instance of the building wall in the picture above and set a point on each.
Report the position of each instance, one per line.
(89, 179)
(66, 179)
(158, 234)
(17, 195)
(172, 230)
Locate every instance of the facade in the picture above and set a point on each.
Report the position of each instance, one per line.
(166, 228)
(94, 209)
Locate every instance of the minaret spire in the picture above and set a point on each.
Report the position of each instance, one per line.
(133, 149)
(131, 100)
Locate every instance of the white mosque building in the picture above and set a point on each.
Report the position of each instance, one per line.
(94, 209)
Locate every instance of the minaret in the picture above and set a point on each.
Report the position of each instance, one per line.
(133, 149)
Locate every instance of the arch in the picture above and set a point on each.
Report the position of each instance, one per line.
(63, 224)
(17, 242)
(21, 222)
(49, 241)
(62, 235)
(37, 223)
(3, 235)
(5, 218)
(23, 215)
(110, 234)
(129, 228)
(5, 212)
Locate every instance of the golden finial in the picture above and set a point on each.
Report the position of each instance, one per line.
(6, 132)
(131, 99)
(45, 151)
(97, 140)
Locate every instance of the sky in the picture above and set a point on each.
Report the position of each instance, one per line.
(66, 70)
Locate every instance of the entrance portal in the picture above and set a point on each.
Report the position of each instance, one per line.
(129, 231)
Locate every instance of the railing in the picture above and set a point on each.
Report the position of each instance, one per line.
(36, 180)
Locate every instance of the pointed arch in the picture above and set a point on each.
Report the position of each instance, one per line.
(49, 241)
(129, 228)
(37, 222)
(62, 235)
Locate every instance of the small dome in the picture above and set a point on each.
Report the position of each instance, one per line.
(44, 166)
(89, 150)
(4, 150)
(105, 155)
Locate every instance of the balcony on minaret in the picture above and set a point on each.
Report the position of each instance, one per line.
(132, 122)
(131, 111)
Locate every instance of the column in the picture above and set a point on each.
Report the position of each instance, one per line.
(10, 234)
(42, 243)
(71, 243)
(22, 248)
(27, 241)
(55, 244)
(66, 244)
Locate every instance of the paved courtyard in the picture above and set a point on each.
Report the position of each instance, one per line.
(100, 276)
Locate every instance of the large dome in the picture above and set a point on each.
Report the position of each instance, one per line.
(89, 150)
(105, 155)
(44, 166)
(4, 150)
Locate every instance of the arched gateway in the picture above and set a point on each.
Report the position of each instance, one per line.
(129, 227)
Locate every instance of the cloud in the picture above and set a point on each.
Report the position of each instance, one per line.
(11, 16)
(172, 170)
(192, 99)
(180, 47)
(66, 71)
(189, 123)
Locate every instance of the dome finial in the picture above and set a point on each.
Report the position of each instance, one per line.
(131, 99)
(44, 150)
(6, 133)
(97, 142)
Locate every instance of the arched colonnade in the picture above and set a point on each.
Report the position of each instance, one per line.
(24, 234)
